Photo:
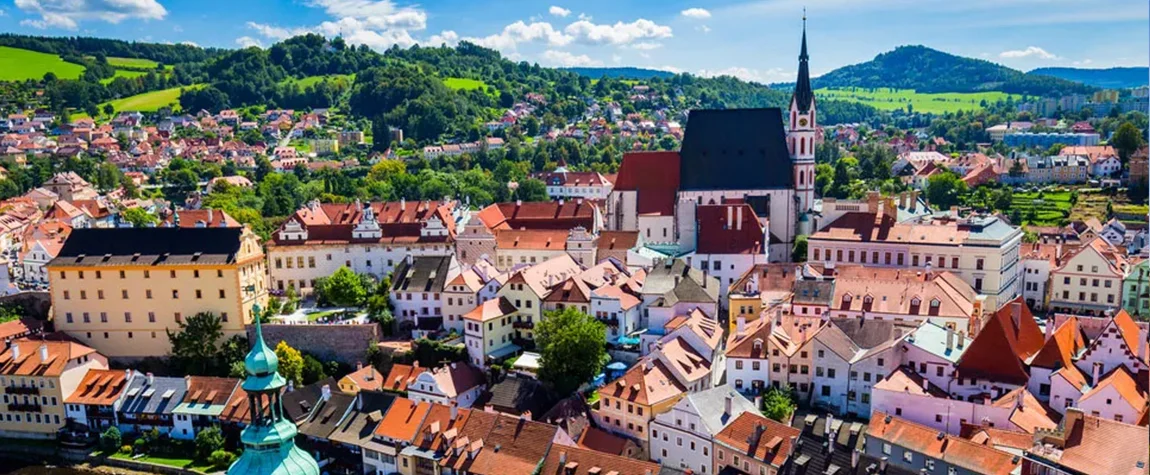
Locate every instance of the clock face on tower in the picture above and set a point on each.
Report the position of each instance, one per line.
(803, 122)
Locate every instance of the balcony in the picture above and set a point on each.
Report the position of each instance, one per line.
(29, 390)
(611, 322)
(523, 325)
(19, 407)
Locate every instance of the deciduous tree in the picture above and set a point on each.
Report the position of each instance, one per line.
(572, 346)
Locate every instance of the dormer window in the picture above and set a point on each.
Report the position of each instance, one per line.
(867, 302)
(846, 304)
(914, 305)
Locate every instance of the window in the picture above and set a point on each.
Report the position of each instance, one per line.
(124, 294)
(223, 294)
(199, 294)
(151, 317)
(907, 456)
(979, 263)
(127, 317)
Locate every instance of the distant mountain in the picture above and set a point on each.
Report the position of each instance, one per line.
(621, 73)
(1110, 78)
(929, 70)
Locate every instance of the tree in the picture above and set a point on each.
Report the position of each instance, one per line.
(778, 405)
(386, 169)
(313, 369)
(799, 252)
(343, 289)
(1126, 140)
(110, 440)
(944, 189)
(138, 217)
(291, 363)
(532, 189)
(207, 441)
(572, 348)
(194, 344)
(109, 109)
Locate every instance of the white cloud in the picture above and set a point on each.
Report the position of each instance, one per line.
(584, 16)
(1084, 62)
(703, 28)
(616, 59)
(379, 24)
(247, 42)
(761, 76)
(520, 32)
(1030, 51)
(68, 14)
(670, 69)
(696, 13)
(566, 59)
(558, 11)
(447, 37)
(190, 43)
(618, 34)
(646, 46)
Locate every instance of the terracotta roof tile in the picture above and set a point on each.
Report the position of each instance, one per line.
(937, 445)
(403, 420)
(655, 176)
(100, 387)
(399, 377)
(1003, 345)
(760, 438)
(578, 461)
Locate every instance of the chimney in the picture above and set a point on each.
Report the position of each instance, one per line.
(961, 339)
(15, 352)
(872, 201)
(730, 217)
(409, 259)
(43, 353)
(325, 392)
(518, 203)
(1049, 327)
(759, 401)
(739, 219)
(913, 200)
(562, 457)
(1019, 401)
(949, 339)
(1016, 313)
(902, 200)
(740, 325)
(560, 202)
(1097, 372)
(925, 384)
(151, 379)
(1142, 350)
(454, 410)
(929, 269)
(728, 405)
(402, 204)
(290, 386)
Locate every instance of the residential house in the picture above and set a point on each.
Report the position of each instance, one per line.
(365, 378)
(36, 377)
(1090, 279)
(628, 405)
(480, 237)
(205, 400)
(752, 443)
(1136, 289)
(474, 285)
(915, 448)
(730, 241)
(996, 361)
(415, 291)
(1084, 444)
(455, 383)
(1115, 396)
(683, 437)
(150, 402)
(850, 357)
(97, 398)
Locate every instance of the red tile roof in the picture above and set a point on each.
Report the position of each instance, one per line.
(728, 229)
(400, 375)
(30, 363)
(655, 176)
(403, 420)
(760, 438)
(937, 445)
(539, 215)
(578, 461)
(100, 387)
(1002, 347)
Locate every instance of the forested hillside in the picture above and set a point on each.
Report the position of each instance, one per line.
(927, 70)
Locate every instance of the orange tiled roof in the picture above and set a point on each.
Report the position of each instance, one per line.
(760, 438)
(399, 377)
(30, 363)
(579, 461)
(100, 387)
(1002, 347)
(403, 420)
(1123, 382)
(937, 445)
(210, 390)
(648, 383)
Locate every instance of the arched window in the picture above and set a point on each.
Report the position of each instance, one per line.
(802, 146)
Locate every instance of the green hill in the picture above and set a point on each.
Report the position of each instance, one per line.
(21, 64)
(929, 71)
(621, 73)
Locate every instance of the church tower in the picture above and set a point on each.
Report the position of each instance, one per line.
(269, 440)
(801, 137)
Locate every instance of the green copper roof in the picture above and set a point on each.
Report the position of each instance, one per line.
(277, 460)
(262, 364)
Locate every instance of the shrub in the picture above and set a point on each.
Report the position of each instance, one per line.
(221, 459)
(140, 446)
(208, 442)
(126, 449)
(111, 439)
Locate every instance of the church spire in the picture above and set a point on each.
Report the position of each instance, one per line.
(804, 97)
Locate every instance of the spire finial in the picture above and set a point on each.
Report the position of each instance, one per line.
(804, 18)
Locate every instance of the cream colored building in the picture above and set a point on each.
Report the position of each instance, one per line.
(118, 290)
(35, 378)
(982, 250)
(1089, 280)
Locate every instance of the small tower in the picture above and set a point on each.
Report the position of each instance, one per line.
(269, 440)
(801, 135)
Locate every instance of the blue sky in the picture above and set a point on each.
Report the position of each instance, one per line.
(752, 39)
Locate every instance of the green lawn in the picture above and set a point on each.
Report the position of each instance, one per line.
(463, 84)
(123, 73)
(171, 462)
(21, 64)
(1049, 209)
(894, 99)
(149, 101)
(310, 80)
(132, 63)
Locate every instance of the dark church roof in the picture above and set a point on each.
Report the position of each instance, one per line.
(149, 246)
(735, 149)
(804, 97)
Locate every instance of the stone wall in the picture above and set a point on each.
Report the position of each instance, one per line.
(344, 343)
(35, 304)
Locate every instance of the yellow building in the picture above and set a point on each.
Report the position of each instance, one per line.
(119, 290)
(35, 378)
(760, 288)
(629, 404)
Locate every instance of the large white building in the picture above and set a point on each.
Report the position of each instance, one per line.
(368, 238)
(982, 250)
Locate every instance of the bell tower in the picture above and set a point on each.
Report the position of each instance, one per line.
(802, 121)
